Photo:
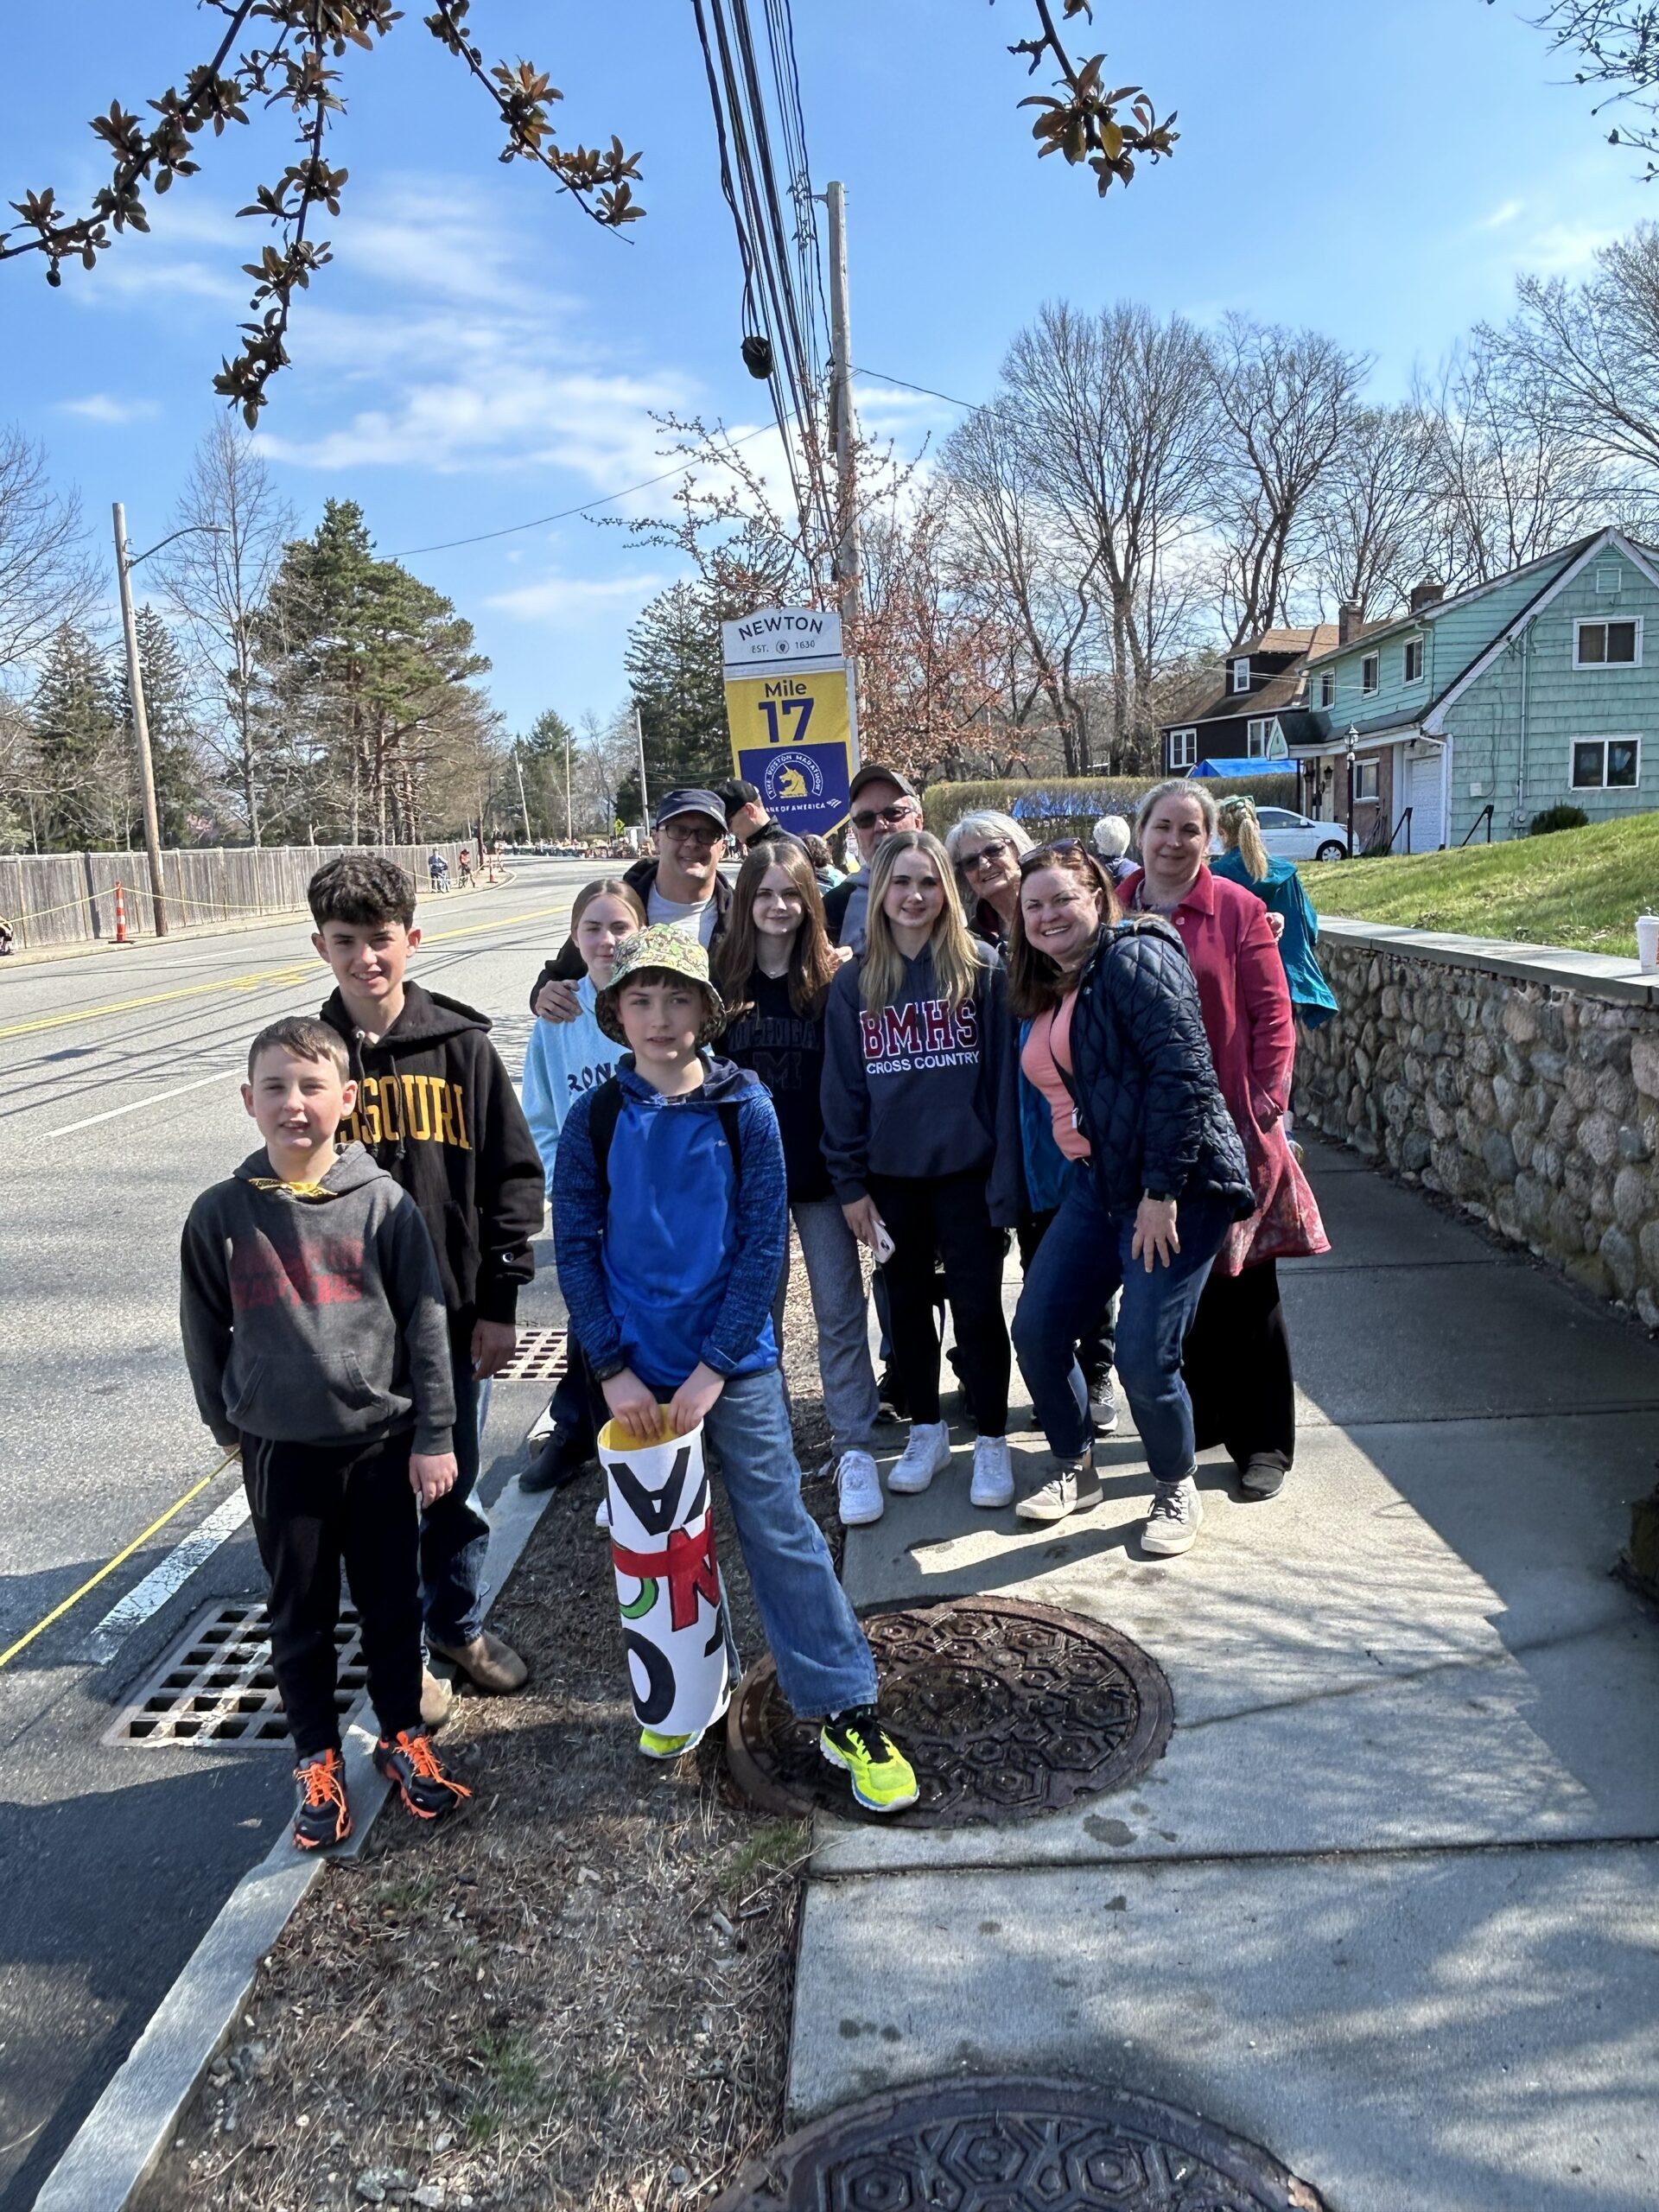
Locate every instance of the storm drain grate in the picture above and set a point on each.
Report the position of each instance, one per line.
(539, 1358)
(1017, 2145)
(216, 1686)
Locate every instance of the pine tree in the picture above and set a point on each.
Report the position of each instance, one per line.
(673, 664)
(175, 740)
(87, 800)
(548, 751)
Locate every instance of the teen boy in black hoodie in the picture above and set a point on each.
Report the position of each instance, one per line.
(436, 1109)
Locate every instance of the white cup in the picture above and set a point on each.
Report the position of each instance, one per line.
(1646, 941)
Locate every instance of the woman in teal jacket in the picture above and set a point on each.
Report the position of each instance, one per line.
(1243, 860)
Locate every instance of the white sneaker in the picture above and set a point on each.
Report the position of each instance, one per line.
(1072, 1489)
(927, 1454)
(1263, 1478)
(858, 1490)
(1174, 1523)
(993, 1473)
(603, 1518)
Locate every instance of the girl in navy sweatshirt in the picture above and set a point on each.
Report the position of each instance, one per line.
(774, 963)
(921, 1139)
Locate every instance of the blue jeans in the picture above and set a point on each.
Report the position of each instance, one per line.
(822, 1658)
(1082, 1260)
(455, 1528)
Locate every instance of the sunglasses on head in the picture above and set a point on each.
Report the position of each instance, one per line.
(1040, 855)
(868, 817)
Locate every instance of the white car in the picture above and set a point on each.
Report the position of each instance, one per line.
(1291, 836)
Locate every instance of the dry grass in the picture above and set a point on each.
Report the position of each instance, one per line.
(574, 1994)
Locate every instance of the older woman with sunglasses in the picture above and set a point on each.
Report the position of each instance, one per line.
(986, 848)
(1116, 1045)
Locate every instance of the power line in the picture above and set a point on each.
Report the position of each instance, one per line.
(904, 385)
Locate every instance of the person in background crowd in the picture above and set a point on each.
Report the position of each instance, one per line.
(1117, 1047)
(437, 870)
(1243, 860)
(987, 848)
(1237, 1355)
(823, 867)
(774, 967)
(563, 1062)
(1112, 844)
(746, 818)
(464, 866)
(882, 801)
(683, 887)
(921, 1138)
(7, 938)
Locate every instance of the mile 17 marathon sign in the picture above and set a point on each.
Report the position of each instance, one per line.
(789, 709)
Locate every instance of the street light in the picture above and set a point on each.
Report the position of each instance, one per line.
(125, 563)
(1353, 740)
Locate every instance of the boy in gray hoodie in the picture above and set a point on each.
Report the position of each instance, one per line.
(315, 1334)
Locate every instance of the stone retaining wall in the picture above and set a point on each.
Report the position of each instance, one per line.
(1523, 1083)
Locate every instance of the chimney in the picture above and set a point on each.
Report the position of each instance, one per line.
(1425, 593)
(1348, 619)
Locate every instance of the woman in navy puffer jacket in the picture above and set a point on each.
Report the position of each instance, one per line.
(1158, 1175)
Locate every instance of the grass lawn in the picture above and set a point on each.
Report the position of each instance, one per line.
(1580, 887)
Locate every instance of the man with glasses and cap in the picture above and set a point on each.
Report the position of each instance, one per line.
(882, 801)
(682, 886)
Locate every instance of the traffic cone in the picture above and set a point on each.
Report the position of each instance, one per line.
(121, 937)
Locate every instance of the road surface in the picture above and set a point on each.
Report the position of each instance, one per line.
(118, 1102)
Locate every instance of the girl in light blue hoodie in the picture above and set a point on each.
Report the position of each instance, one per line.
(563, 1062)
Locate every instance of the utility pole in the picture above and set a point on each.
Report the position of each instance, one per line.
(123, 568)
(567, 783)
(848, 561)
(644, 803)
(519, 767)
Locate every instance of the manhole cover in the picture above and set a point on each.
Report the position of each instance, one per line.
(1005, 1708)
(216, 1685)
(1014, 2145)
(539, 1358)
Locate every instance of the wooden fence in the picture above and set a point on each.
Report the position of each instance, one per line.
(69, 897)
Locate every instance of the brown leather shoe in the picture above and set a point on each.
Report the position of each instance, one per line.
(487, 1663)
(437, 1696)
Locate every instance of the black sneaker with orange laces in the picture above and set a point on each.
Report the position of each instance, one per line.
(322, 1817)
(407, 1759)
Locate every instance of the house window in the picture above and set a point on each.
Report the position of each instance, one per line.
(1183, 748)
(1371, 674)
(1256, 735)
(1413, 671)
(1241, 674)
(1606, 764)
(1327, 687)
(1367, 780)
(1607, 645)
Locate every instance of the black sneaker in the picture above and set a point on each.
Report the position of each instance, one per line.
(322, 1817)
(1103, 1404)
(894, 1408)
(409, 1760)
(560, 1460)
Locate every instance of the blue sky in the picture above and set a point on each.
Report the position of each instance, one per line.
(480, 354)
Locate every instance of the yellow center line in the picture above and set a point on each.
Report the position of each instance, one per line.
(293, 973)
(108, 1567)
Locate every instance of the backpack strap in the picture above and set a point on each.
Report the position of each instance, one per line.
(606, 1111)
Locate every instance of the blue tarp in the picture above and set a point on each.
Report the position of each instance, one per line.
(1256, 768)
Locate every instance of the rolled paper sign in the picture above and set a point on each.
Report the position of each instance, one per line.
(681, 1660)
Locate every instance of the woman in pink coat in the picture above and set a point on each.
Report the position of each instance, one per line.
(1236, 1360)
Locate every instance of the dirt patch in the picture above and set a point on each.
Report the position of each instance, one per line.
(575, 1993)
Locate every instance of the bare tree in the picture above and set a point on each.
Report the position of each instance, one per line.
(1116, 412)
(1285, 399)
(216, 575)
(47, 577)
(1373, 514)
(1587, 355)
(1618, 43)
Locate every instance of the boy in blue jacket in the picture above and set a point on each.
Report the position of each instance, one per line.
(670, 1215)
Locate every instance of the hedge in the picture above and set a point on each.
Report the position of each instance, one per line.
(1070, 806)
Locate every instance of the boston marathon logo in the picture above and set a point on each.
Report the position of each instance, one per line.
(791, 776)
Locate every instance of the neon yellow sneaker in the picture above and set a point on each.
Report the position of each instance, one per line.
(655, 1746)
(882, 1777)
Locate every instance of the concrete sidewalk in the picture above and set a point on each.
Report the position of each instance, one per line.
(1389, 1904)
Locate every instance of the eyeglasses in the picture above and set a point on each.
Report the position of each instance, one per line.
(1040, 855)
(693, 833)
(987, 856)
(892, 815)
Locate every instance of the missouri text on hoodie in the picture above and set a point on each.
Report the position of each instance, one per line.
(435, 1108)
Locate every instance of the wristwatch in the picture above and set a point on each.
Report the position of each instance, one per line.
(1159, 1197)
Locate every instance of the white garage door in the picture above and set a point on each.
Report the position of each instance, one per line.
(1423, 797)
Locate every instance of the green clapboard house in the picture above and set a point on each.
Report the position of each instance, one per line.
(1477, 712)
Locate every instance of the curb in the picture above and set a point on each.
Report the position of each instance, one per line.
(121, 2139)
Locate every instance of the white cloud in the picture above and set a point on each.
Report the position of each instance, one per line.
(570, 602)
(1501, 216)
(104, 407)
(1566, 249)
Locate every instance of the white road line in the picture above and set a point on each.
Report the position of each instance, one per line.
(150, 1099)
(149, 1596)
